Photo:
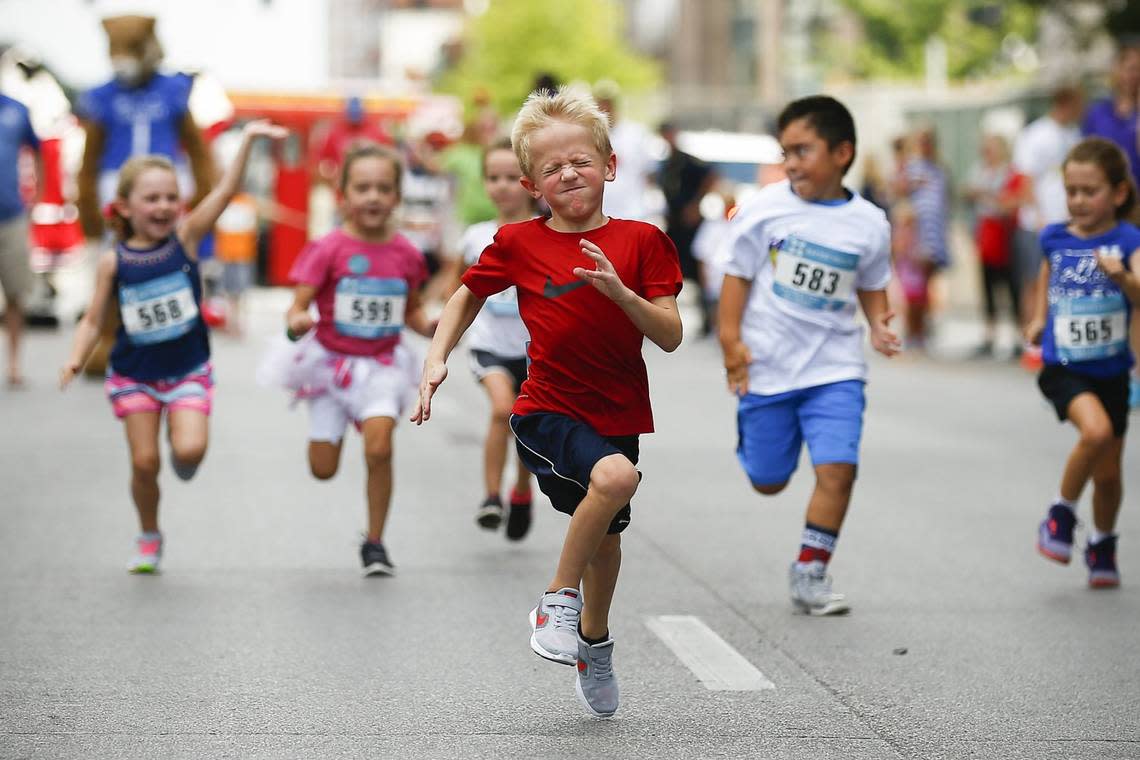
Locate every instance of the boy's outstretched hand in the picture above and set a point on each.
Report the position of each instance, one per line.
(434, 374)
(603, 277)
(883, 339)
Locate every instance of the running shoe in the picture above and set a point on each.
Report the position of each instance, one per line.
(1055, 534)
(554, 625)
(596, 685)
(375, 560)
(182, 470)
(148, 553)
(490, 513)
(518, 519)
(811, 590)
(1101, 559)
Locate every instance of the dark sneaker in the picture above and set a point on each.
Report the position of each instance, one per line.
(554, 625)
(181, 469)
(1055, 535)
(518, 519)
(597, 686)
(490, 513)
(375, 560)
(1101, 559)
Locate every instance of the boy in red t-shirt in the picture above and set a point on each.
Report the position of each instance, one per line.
(586, 397)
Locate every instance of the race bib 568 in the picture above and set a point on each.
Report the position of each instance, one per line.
(370, 307)
(158, 310)
(814, 276)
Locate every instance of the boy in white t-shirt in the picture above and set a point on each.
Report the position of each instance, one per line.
(801, 254)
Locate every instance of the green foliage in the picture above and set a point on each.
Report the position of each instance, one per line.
(515, 40)
(896, 35)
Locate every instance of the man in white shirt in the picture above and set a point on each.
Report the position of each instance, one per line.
(631, 141)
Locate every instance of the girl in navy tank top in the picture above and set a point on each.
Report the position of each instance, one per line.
(161, 358)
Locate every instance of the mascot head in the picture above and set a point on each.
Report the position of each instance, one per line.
(135, 52)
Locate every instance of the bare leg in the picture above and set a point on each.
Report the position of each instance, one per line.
(377, 433)
(14, 321)
(502, 395)
(598, 584)
(1108, 489)
(324, 459)
(142, 439)
(613, 482)
(1088, 415)
(189, 433)
(832, 495)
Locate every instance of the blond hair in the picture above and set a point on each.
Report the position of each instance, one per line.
(128, 176)
(570, 105)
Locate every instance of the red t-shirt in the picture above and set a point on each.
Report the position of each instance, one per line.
(585, 353)
(362, 290)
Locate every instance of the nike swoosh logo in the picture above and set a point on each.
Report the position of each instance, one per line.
(550, 290)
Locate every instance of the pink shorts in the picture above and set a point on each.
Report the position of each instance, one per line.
(194, 390)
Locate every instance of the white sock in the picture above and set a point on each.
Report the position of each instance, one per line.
(1095, 536)
(1072, 505)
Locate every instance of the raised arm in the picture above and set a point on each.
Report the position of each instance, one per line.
(456, 318)
(657, 318)
(91, 325)
(202, 217)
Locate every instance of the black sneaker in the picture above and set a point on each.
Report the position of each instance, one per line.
(518, 519)
(1101, 559)
(375, 559)
(490, 513)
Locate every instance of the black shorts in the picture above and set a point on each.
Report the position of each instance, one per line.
(1061, 385)
(483, 362)
(562, 452)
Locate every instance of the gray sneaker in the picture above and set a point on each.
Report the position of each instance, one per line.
(811, 590)
(597, 685)
(554, 623)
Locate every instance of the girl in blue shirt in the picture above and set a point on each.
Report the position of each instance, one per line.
(1087, 288)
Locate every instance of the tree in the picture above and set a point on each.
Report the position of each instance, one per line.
(513, 41)
(974, 33)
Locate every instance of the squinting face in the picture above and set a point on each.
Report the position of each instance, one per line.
(501, 175)
(371, 193)
(1092, 200)
(568, 171)
(813, 168)
(153, 205)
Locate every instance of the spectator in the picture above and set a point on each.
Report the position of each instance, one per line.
(464, 162)
(625, 196)
(992, 189)
(1038, 153)
(1115, 117)
(926, 186)
(16, 134)
(684, 180)
(343, 135)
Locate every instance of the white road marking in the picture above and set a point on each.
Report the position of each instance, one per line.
(712, 659)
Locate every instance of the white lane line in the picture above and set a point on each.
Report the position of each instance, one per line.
(712, 659)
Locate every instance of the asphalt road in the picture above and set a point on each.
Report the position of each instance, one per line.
(260, 638)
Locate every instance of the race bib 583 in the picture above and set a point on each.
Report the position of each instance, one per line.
(814, 276)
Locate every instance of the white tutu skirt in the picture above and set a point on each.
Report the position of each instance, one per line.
(308, 370)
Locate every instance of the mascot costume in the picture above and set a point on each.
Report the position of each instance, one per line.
(139, 111)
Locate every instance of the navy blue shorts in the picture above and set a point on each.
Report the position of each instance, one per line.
(562, 452)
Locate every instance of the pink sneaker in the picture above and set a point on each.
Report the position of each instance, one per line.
(147, 554)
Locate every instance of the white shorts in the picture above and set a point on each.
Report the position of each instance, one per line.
(372, 390)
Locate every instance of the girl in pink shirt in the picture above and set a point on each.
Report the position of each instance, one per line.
(350, 365)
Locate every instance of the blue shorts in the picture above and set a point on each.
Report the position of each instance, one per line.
(772, 429)
(562, 452)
